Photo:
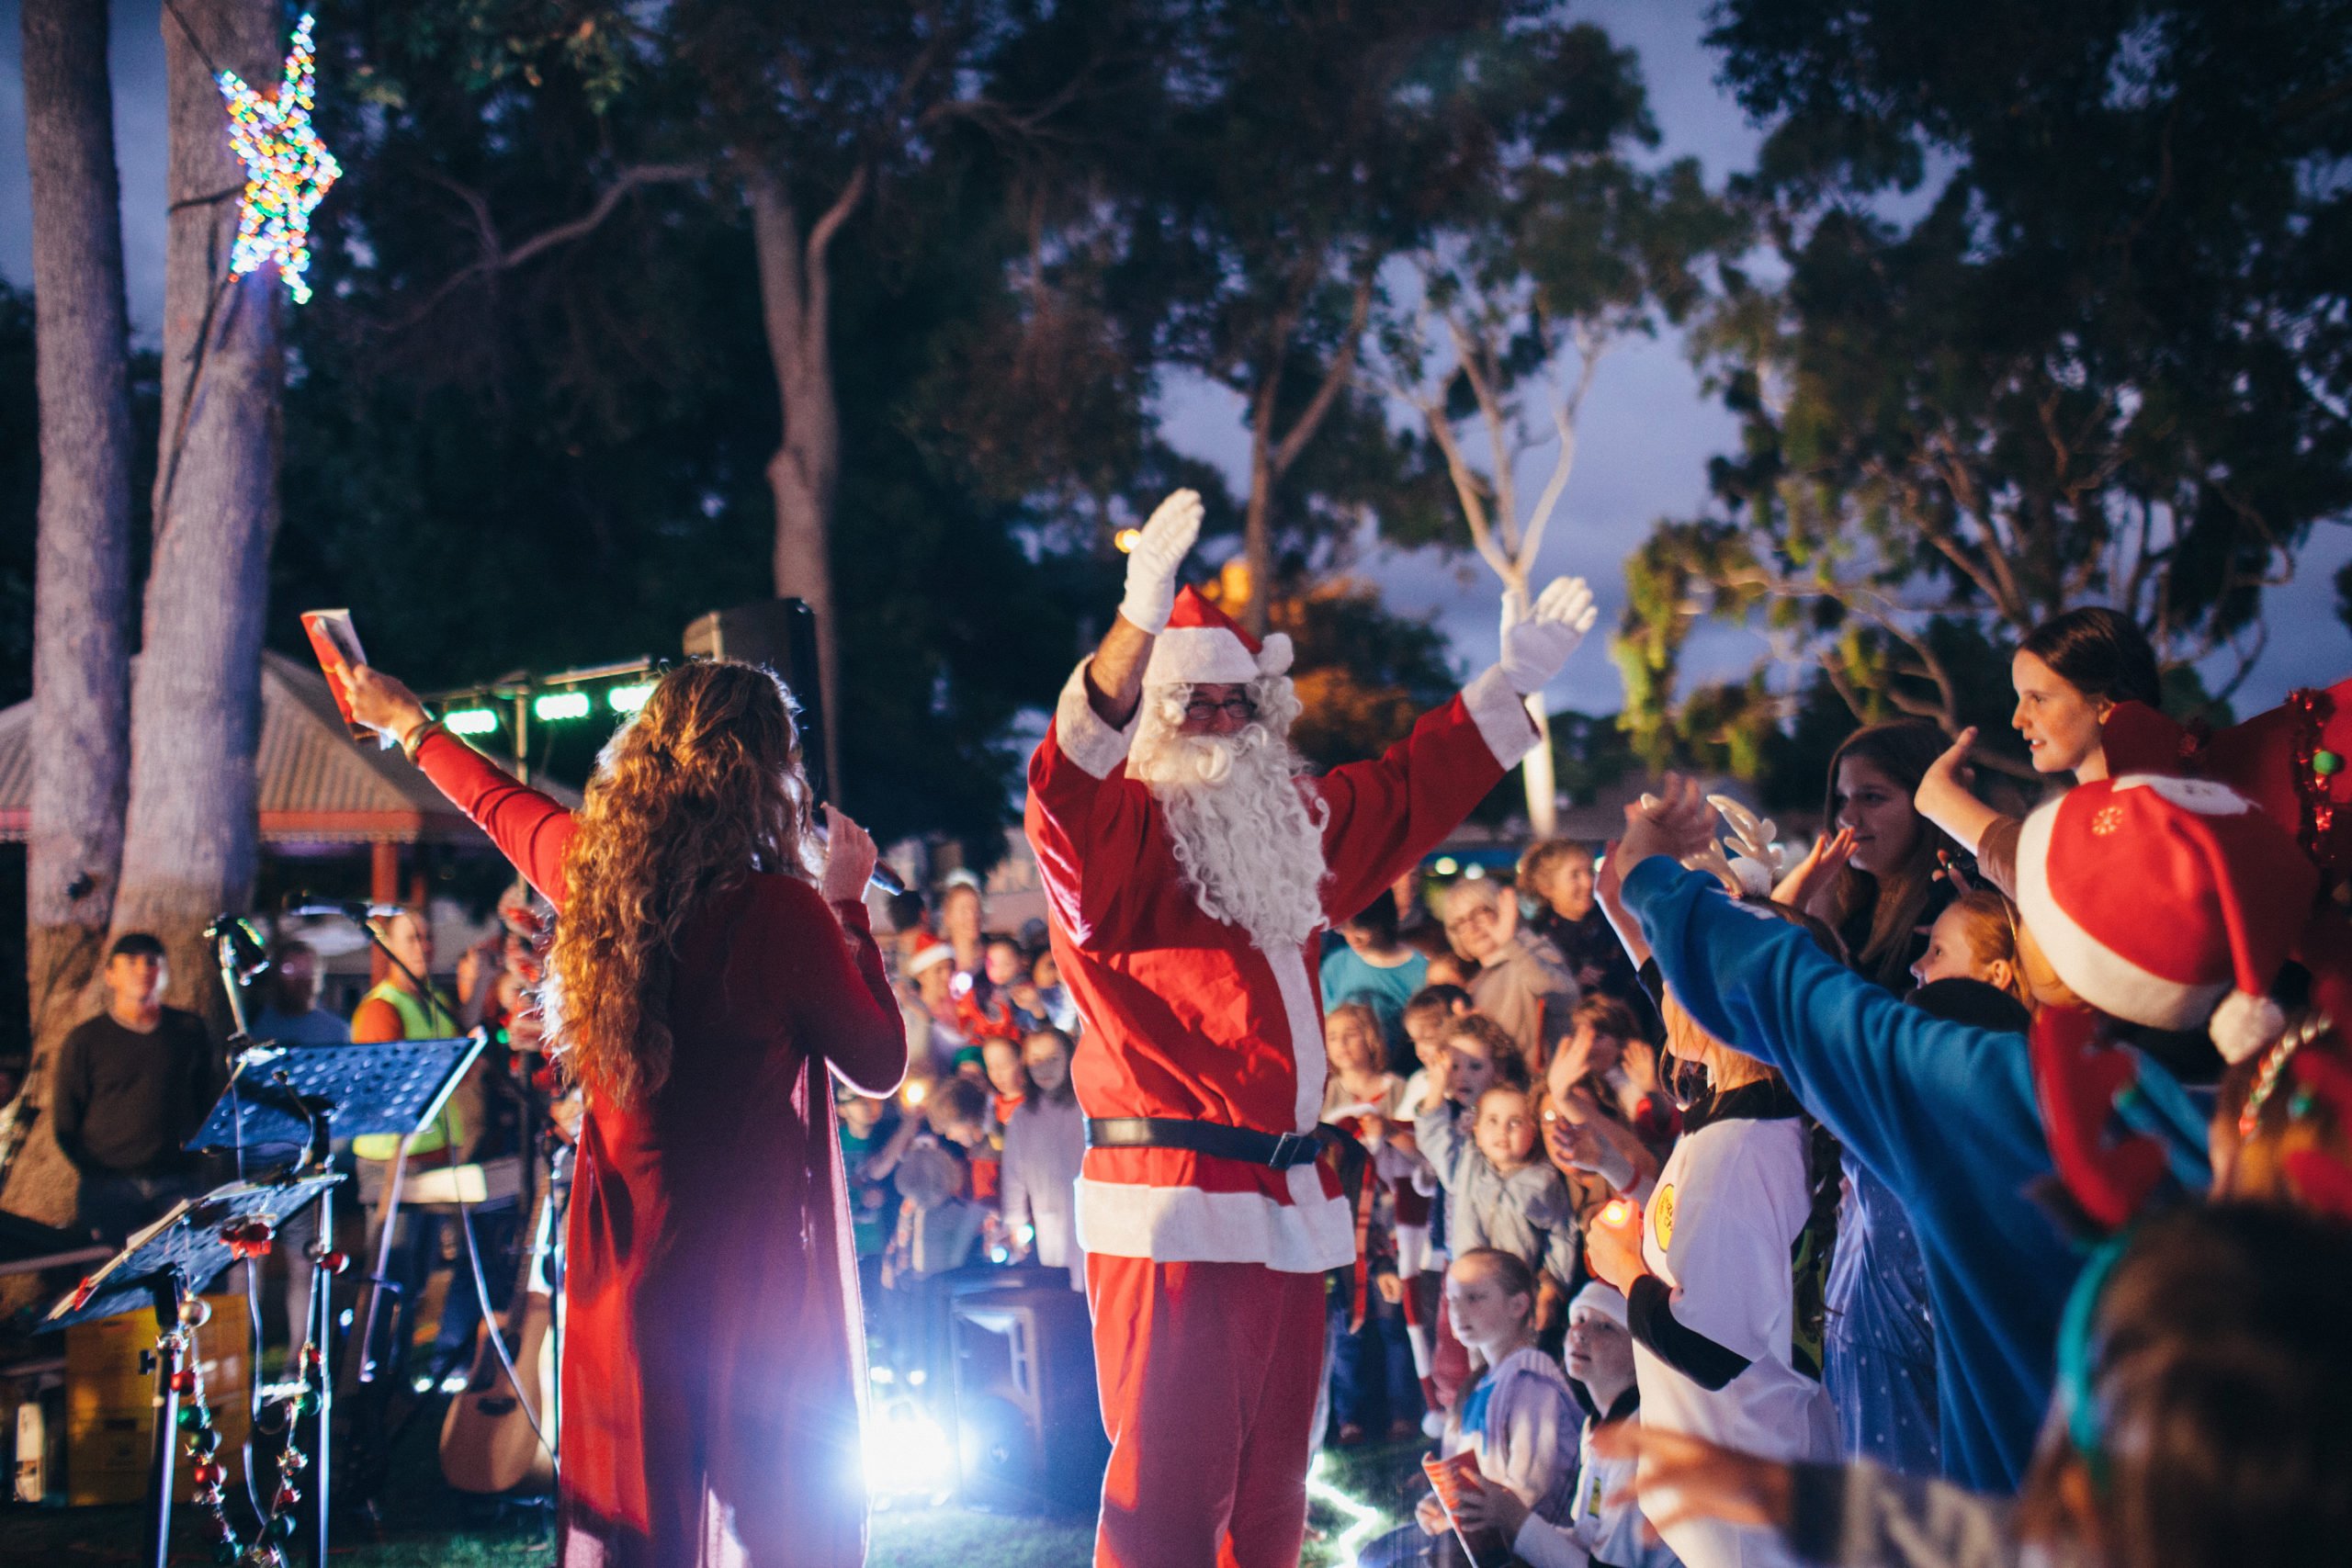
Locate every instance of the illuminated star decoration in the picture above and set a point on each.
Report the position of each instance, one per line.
(287, 169)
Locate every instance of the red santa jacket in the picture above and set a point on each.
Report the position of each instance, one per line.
(1186, 1015)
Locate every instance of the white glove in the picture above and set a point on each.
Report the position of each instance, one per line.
(1151, 566)
(1536, 643)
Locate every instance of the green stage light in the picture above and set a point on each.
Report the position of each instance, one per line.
(558, 705)
(470, 721)
(628, 699)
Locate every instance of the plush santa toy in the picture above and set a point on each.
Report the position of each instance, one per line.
(1191, 865)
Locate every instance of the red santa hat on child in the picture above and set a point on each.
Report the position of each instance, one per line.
(2157, 898)
(929, 954)
(1204, 646)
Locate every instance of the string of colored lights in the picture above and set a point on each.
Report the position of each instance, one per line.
(287, 169)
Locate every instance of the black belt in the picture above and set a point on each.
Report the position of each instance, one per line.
(1281, 1151)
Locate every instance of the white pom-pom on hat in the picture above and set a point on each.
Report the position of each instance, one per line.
(1276, 657)
(2245, 1024)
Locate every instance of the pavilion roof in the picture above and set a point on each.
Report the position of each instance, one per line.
(317, 785)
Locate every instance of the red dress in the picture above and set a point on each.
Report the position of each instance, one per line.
(713, 1360)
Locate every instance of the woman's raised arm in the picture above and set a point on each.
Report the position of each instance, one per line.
(529, 829)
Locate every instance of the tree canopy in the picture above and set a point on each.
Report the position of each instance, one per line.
(2063, 319)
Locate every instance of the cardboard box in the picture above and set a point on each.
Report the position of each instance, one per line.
(110, 1402)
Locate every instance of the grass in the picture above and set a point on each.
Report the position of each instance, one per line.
(439, 1529)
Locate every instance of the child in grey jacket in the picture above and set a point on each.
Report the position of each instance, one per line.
(1478, 1132)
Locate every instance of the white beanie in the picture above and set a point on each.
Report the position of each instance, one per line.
(1603, 1298)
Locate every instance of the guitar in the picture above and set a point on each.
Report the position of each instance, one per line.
(489, 1441)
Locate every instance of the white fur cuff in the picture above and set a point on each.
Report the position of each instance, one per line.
(1500, 715)
(1085, 739)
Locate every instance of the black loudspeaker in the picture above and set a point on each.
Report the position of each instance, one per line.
(1029, 1430)
(782, 635)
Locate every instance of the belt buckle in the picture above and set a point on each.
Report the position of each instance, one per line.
(1285, 1145)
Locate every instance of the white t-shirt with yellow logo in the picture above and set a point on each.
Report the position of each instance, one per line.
(1718, 1233)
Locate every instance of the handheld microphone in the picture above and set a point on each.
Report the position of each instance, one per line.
(884, 881)
(303, 906)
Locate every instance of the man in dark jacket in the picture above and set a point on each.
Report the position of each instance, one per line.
(132, 1084)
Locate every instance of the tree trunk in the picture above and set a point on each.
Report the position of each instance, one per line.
(81, 741)
(803, 474)
(189, 843)
(1258, 525)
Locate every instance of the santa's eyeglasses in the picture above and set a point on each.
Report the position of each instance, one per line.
(1237, 705)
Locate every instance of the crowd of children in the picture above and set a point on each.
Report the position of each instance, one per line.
(1732, 1208)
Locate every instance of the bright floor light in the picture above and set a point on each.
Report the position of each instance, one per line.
(907, 1453)
(1364, 1522)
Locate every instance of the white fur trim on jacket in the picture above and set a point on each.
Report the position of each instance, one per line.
(1185, 1225)
(1193, 656)
(1085, 739)
(1500, 715)
(2097, 973)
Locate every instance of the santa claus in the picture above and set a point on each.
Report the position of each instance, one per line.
(1191, 863)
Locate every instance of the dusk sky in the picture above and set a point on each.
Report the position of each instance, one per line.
(1647, 433)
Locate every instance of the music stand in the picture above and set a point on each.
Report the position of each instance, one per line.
(162, 1267)
(306, 1096)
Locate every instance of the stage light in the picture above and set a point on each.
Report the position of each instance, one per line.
(470, 721)
(287, 169)
(908, 1453)
(1363, 1521)
(557, 706)
(1446, 866)
(628, 699)
(1126, 539)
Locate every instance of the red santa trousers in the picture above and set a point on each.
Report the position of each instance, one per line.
(1208, 1375)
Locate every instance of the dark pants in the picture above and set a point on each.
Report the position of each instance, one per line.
(421, 1240)
(1372, 1382)
(112, 1204)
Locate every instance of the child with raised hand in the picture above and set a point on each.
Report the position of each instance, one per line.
(1477, 1127)
(1520, 1419)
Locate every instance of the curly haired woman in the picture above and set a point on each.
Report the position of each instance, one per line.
(701, 989)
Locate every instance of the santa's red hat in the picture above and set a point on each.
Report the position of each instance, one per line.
(1204, 646)
(2155, 899)
(930, 951)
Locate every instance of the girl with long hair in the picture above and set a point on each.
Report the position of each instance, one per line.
(1045, 1143)
(1873, 879)
(708, 974)
(2071, 674)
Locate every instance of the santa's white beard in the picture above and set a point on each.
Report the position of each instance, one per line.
(1250, 849)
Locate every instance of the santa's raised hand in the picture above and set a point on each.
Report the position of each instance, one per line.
(1538, 639)
(1160, 549)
